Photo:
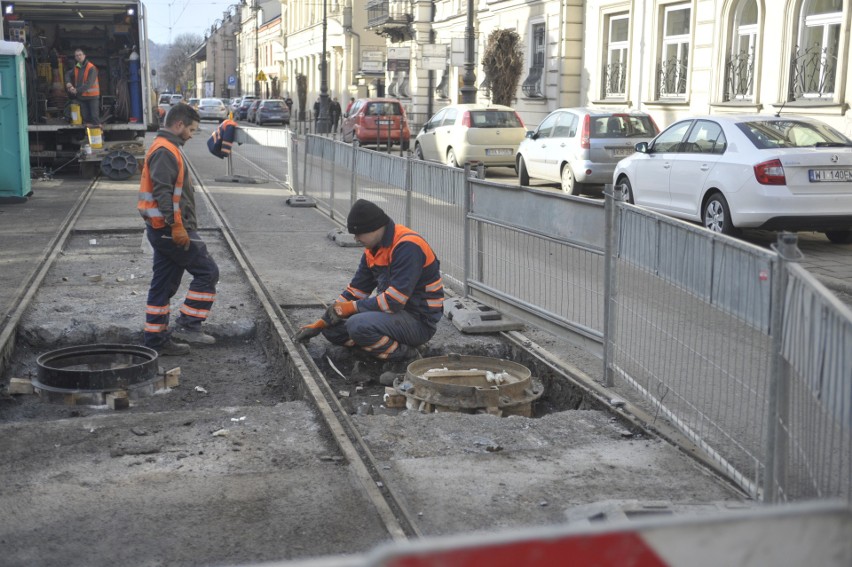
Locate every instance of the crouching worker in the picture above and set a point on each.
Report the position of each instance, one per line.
(405, 273)
(167, 204)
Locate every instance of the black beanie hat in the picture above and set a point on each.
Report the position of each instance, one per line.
(365, 216)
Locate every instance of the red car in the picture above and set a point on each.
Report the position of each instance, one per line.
(376, 122)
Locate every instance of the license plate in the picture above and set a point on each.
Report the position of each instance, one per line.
(830, 175)
(622, 152)
(385, 122)
(498, 152)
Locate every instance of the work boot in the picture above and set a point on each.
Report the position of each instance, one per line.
(193, 336)
(171, 348)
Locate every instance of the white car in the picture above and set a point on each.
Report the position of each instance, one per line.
(575, 146)
(212, 109)
(476, 133)
(751, 171)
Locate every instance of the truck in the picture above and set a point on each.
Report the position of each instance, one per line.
(113, 34)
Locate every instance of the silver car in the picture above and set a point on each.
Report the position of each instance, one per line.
(212, 109)
(576, 146)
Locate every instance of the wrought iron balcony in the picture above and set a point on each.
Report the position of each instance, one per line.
(739, 77)
(532, 84)
(615, 80)
(813, 73)
(390, 18)
(671, 78)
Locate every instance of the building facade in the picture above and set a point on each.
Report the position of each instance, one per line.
(675, 58)
(670, 58)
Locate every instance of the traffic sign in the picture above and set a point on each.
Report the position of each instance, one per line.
(261, 76)
(232, 81)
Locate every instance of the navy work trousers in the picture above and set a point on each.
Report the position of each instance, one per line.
(170, 262)
(381, 334)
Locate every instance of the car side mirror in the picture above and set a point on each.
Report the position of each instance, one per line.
(642, 148)
(427, 127)
(531, 135)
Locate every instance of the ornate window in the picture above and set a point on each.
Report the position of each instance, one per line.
(740, 65)
(617, 47)
(673, 67)
(533, 85)
(814, 64)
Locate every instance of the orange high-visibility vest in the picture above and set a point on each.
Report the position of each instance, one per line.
(147, 205)
(95, 89)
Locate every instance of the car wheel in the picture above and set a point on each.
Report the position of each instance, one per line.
(569, 182)
(451, 158)
(716, 215)
(523, 174)
(629, 188)
(839, 236)
(418, 152)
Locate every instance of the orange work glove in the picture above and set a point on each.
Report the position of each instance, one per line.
(180, 237)
(308, 332)
(337, 312)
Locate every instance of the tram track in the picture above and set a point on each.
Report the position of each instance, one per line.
(397, 519)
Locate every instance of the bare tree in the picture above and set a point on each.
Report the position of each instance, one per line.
(178, 69)
(503, 63)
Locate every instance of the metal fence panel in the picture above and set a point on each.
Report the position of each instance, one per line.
(815, 417)
(258, 155)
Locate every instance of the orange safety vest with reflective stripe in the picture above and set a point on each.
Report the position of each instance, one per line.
(95, 89)
(399, 283)
(147, 205)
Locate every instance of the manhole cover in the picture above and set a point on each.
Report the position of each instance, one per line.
(86, 373)
(470, 384)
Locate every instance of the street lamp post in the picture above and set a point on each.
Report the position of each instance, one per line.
(256, 50)
(468, 90)
(323, 122)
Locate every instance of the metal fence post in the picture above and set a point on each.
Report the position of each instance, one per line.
(777, 439)
(467, 221)
(328, 142)
(480, 170)
(305, 168)
(613, 194)
(353, 187)
(408, 190)
(292, 162)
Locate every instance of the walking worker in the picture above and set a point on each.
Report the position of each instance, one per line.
(167, 203)
(82, 83)
(405, 273)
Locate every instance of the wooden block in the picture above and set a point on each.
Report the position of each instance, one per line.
(393, 399)
(20, 386)
(118, 400)
(173, 377)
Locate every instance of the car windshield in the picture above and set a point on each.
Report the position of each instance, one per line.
(494, 119)
(767, 134)
(383, 109)
(273, 105)
(622, 126)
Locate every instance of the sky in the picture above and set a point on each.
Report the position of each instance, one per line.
(168, 19)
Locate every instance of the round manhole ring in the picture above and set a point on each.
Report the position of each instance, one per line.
(97, 367)
(462, 382)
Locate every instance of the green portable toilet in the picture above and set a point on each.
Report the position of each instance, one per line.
(15, 184)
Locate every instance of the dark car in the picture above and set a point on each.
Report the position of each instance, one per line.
(251, 113)
(376, 122)
(242, 110)
(272, 110)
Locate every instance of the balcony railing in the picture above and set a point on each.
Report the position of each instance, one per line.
(813, 72)
(388, 14)
(615, 80)
(532, 84)
(739, 77)
(671, 78)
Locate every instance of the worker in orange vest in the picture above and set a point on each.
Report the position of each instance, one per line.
(82, 83)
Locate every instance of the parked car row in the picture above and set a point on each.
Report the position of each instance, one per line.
(726, 172)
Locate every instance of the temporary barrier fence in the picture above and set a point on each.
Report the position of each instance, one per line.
(739, 347)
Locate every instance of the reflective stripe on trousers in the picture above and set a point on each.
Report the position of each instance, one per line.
(170, 263)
